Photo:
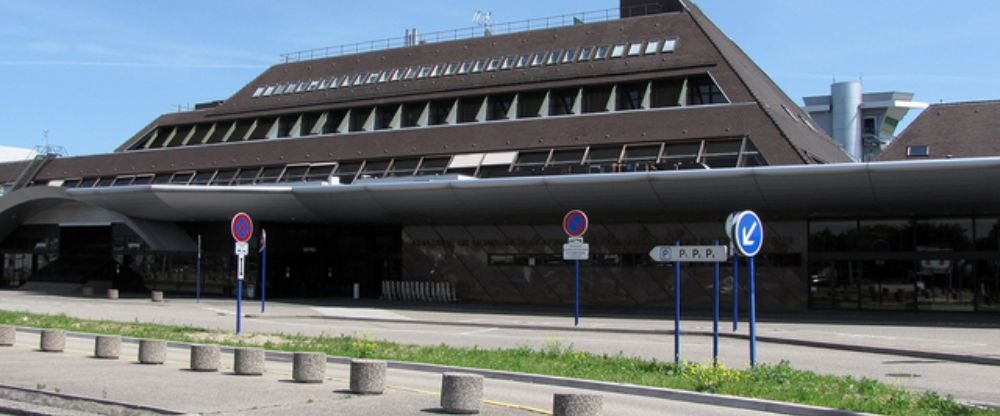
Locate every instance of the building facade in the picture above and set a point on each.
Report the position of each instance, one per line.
(454, 161)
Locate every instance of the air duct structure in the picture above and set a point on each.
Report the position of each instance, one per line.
(845, 104)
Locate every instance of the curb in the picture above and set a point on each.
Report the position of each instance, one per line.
(599, 386)
(35, 402)
(940, 356)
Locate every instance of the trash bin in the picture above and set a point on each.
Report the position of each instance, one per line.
(251, 288)
(357, 291)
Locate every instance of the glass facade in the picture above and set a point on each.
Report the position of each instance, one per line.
(938, 264)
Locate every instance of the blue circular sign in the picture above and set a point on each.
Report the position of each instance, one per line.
(241, 227)
(748, 233)
(575, 223)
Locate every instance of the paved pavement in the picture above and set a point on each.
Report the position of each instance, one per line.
(949, 354)
(172, 387)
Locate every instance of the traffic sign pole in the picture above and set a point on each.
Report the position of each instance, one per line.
(677, 310)
(263, 271)
(715, 320)
(197, 275)
(753, 317)
(736, 292)
(241, 228)
(239, 303)
(576, 322)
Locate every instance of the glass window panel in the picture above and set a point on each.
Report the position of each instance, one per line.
(258, 92)
(313, 85)
(436, 71)
(553, 57)
(522, 61)
(986, 234)
(346, 81)
(270, 174)
(269, 90)
(246, 176)
(160, 179)
(360, 79)
(294, 173)
(567, 156)
(384, 77)
(618, 51)
(539, 58)
(374, 168)
(403, 167)
(568, 56)
(651, 47)
(479, 65)
(433, 165)
(832, 235)
(301, 87)
(681, 156)
(142, 180)
(951, 234)
(602, 52)
(397, 74)
(532, 158)
(604, 154)
(669, 45)
(181, 178)
(319, 173)
(642, 152)
(452, 67)
(885, 235)
(202, 178)
(373, 77)
(585, 53)
(464, 69)
(508, 62)
(334, 82)
(123, 180)
(223, 177)
(493, 65)
(347, 171)
(424, 72)
(635, 49)
(410, 73)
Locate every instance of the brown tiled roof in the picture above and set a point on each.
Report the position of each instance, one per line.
(954, 130)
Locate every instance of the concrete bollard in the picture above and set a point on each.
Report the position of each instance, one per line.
(112, 293)
(205, 357)
(7, 335)
(308, 367)
(87, 291)
(248, 362)
(461, 393)
(107, 346)
(157, 296)
(152, 351)
(367, 376)
(577, 404)
(53, 340)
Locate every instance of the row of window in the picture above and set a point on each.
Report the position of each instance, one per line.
(638, 95)
(490, 64)
(700, 154)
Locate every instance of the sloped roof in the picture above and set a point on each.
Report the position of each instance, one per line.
(954, 130)
(795, 125)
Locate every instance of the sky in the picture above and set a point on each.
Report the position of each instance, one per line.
(92, 73)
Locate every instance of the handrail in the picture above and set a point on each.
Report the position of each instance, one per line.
(490, 29)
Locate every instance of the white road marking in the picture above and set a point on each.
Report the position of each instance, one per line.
(479, 331)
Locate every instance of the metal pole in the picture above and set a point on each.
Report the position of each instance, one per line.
(736, 290)
(753, 317)
(576, 322)
(239, 304)
(263, 274)
(677, 310)
(715, 321)
(197, 276)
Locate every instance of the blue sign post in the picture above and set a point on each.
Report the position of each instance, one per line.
(730, 224)
(263, 269)
(677, 309)
(715, 320)
(242, 229)
(575, 224)
(197, 275)
(749, 236)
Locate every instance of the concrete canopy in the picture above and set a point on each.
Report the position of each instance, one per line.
(935, 187)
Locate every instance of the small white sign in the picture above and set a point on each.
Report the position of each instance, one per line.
(242, 249)
(690, 254)
(576, 249)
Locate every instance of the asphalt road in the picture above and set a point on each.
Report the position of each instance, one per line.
(631, 337)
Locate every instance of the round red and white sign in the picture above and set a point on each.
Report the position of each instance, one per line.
(575, 223)
(241, 227)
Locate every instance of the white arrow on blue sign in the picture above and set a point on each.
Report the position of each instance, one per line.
(749, 233)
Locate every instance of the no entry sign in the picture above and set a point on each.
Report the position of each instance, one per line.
(575, 223)
(241, 227)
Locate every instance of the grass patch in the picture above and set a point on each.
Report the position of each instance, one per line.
(773, 382)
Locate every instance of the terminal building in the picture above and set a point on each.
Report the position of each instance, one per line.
(452, 157)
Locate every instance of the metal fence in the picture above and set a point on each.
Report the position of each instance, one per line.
(463, 33)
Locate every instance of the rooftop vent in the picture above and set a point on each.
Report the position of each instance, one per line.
(208, 105)
(634, 8)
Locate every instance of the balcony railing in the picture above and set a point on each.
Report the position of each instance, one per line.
(490, 29)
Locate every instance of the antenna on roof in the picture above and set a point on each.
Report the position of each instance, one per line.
(483, 19)
(47, 149)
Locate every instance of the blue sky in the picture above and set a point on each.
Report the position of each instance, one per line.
(93, 72)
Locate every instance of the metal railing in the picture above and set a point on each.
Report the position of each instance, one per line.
(540, 23)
